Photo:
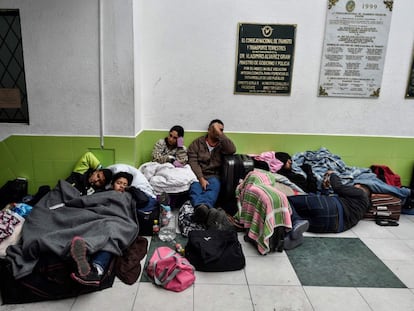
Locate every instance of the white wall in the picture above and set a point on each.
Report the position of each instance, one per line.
(189, 56)
(61, 55)
(168, 62)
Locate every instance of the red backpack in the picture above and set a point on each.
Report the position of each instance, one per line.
(384, 173)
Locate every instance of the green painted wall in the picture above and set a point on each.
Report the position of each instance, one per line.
(45, 159)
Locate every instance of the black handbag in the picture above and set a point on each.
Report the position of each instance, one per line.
(214, 250)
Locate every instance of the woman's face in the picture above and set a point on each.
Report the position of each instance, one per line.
(172, 138)
(288, 165)
(120, 184)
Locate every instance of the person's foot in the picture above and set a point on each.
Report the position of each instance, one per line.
(289, 243)
(298, 228)
(90, 279)
(78, 253)
(200, 214)
(212, 216)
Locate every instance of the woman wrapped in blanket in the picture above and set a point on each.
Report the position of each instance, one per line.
(262, 208)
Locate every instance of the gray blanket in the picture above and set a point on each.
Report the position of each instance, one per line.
(106, 220)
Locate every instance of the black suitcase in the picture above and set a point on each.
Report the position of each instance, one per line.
(235, 167)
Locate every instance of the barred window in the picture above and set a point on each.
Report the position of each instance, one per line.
(13, 93)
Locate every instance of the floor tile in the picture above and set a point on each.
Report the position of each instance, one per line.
(270, 270)
(222, 297)
(389, 249)
(119, 297)
(230, 277)
(153, 298)
(386, 299)
(279, 298)
(336, 298)
(403, 269)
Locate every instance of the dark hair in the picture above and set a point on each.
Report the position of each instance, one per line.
(215, 121)
(179, 129)
(125, 175)
(108, 175)
(282, 156)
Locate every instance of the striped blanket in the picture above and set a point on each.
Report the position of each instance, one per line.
(262, 207)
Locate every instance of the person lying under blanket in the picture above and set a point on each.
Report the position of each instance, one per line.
(262, 208)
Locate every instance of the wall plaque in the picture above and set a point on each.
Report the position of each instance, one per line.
(356, 35)
(264, 59)
(10, 98)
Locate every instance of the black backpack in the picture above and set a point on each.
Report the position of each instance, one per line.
(13, 191)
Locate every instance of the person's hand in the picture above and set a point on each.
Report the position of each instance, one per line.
(204, 183)
(180, 142)
(177, 163)
(326, 179)
(217, 130)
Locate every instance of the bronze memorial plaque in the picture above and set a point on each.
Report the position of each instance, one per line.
(264, 59)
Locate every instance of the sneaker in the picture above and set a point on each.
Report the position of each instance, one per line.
(289, 243)
(200, 214)
(298, 228)
(78, 253)
(90, 279)
(212, 216)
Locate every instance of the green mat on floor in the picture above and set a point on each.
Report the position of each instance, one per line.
(340, 262)
(156, 242)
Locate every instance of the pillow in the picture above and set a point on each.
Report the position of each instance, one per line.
(138, 181)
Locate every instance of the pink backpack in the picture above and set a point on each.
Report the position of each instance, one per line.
(170, 270)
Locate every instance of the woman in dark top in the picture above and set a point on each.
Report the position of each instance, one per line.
(332, 213)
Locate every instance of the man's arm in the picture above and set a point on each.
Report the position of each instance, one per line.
(86, 162)
(192, 152)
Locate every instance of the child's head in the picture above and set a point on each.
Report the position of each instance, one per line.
(121, 181)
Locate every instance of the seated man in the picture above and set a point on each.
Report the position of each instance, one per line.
(332, 213)
(171, 149)
(88, 176)
(205, 158)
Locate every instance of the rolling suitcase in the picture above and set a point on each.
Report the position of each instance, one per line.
(384, 207)
(235, 167)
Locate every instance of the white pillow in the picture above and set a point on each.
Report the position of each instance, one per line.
(138, 181)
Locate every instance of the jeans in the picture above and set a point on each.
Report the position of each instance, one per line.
(378, 186)
(209, 196)
(102, 258)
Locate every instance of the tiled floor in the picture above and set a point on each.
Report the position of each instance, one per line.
(267, 283)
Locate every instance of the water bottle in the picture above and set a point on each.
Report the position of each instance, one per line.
(167, 233)
(155, 227)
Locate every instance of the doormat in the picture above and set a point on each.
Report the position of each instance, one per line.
(156, 242)
(340, 262)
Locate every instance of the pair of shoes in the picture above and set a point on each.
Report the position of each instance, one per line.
(90, 279)
(200, 214)
(298, 228)
(289, 243)
(217, 219)
(78, 253)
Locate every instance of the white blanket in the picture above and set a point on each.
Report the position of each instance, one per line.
(168, 178)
